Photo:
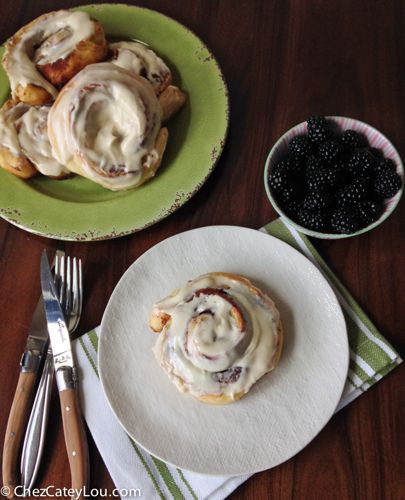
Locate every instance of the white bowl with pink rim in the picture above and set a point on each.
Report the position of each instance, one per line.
(340, 123)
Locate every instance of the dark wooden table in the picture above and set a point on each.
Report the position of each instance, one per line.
(283, 61)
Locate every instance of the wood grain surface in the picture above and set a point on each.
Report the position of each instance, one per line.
(283, 61)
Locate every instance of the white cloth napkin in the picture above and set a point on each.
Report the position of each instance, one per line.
(130, 467)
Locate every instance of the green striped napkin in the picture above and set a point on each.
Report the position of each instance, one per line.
(371, 357)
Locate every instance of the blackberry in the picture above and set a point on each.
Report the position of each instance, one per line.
(384, 164)
(283, 174)
(279, 178)
(282, 165)
(369, 211)
(339, 175)
(352, 139)
(312, 219)
(317, 180)
(329, 151)
(317, 200)
(318, 129)
(361, 163)
(333, 176)
(313, 165)
(289, 193)
(344, 220)
(377, 153)
(339, 164)
(387, 184)
(322, 179)
(292, 165)
(292, 207)
(353, 193)
(300, 146)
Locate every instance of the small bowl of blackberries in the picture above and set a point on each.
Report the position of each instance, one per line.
(334, 177)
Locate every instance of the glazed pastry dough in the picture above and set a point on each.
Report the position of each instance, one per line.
(49, 51)
(140, 60)
(106, 125)
(171, 100)
(24, 144)
(219, 335)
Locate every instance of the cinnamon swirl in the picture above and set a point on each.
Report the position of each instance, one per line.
(25, 149)
(49, 51)
(106, 125)
(218, 335)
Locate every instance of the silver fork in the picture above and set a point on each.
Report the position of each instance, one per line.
(68, 280)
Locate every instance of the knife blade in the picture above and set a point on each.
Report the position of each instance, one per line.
(17, 420)
(66, 381)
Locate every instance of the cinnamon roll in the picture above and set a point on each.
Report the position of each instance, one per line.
(25, 149)
(106, 125)
(139, 59)
(218, 335)
(46, 53)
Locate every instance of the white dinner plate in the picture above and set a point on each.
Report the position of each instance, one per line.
(283, 411)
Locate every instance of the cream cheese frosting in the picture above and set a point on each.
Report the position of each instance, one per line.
(8, 132)
(140, 60)
(34, 141)
(222, 335)
(104, 124)
(23, 131)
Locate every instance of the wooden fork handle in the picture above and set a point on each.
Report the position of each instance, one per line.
(75, 439)
(17, 422)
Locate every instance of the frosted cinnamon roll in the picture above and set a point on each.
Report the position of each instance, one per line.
(106, 125)
(46, 53)
(218, 335)
(139, 59)
(25, 149)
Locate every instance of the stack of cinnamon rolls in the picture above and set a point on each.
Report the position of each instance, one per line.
(81, 105)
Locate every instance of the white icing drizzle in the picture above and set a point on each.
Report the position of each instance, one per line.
(140, 60)
(51, 37)
(23, 131)
(107, 119)
(8, 132)
(34, 141)
(221, 338)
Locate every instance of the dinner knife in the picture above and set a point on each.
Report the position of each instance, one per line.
(35, 432)
(20, 409)
(66, 381)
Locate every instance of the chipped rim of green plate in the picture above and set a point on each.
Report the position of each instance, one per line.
(77, 209)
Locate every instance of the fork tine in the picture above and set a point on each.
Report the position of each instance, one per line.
(68, 289)
(68, 277)
(56, 272)
(80, 295)
(62, 290)
(76, 294)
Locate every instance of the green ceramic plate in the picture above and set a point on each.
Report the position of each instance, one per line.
(77, 209)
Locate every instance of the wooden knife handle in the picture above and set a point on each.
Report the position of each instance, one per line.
(17, 422)
(75, 439)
